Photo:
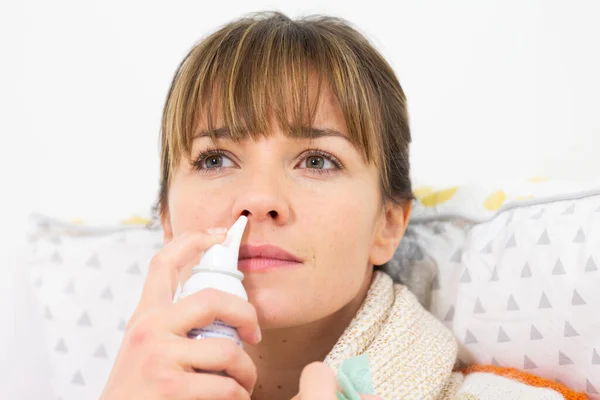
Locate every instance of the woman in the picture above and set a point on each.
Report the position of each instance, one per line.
(303, 127)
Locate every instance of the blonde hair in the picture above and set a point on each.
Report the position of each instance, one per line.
(257, 69)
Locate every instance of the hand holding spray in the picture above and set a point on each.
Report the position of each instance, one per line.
(218, 269)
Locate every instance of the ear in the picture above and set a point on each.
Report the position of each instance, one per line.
(390, 230)
(165, 220)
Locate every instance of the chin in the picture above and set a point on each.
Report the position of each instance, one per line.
(286, 306)
(291, 298)
(277, 308)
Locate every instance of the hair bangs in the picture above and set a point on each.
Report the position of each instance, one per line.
(244, 79)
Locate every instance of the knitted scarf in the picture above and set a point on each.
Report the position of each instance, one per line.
(411, 353)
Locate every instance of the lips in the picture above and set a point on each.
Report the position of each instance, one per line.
(265, 257)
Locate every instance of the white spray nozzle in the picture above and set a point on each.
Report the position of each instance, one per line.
(234, 234)
(224, 257)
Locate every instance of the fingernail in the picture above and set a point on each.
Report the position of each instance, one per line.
(216, 231)
(258, 336)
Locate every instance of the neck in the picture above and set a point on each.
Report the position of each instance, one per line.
(283, 353)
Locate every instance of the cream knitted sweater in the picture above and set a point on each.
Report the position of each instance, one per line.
(412, 354)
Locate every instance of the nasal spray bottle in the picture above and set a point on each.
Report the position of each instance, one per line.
(218, 269)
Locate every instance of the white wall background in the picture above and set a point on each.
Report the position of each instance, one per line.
(497, 90)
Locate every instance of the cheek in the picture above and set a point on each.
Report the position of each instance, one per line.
(339, 232)
(345, 229)
(196, 208)
(350, 214)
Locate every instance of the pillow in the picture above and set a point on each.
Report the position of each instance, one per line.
(87, 282)
(515, 275)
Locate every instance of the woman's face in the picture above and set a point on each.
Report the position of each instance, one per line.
(316, 199)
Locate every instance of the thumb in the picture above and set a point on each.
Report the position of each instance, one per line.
(317, 381)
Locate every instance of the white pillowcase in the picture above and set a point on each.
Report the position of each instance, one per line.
(87, 282)
(520, 287)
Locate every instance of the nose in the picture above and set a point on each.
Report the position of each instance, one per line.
(262, 198)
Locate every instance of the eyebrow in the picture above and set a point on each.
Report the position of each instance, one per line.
(224, 133)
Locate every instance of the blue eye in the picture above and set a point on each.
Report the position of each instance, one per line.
(212, 160)
(215, 161)
(320, 162)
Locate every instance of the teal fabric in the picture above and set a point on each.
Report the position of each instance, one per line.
(354, 378)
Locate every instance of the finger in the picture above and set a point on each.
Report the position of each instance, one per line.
(370, 397)
(204, 307)
(217, 355)
(317, 381)
(200, 386)
(165, 266)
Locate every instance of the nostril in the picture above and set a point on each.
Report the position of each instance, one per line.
(246, 213)
(273, 214)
